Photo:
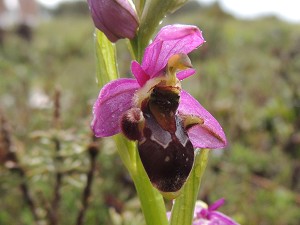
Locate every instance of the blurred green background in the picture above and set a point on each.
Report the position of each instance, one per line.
(247, 77)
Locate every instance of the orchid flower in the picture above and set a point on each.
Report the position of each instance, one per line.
(208, 215)
(115, 18)
(154, 110)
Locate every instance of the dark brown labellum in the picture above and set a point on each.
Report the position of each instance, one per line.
(167, 157)
(165, 150)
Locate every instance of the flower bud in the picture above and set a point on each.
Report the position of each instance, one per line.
(115, 18)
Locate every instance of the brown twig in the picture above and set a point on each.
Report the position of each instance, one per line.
(53, 213)
(11, 162)
(26, 194)
(57, 109)
(53, 217)
(93, 152)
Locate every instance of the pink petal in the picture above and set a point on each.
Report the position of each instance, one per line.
(185, 73)
(139, 73)
(217, 218)
(217, 204)
(207, 135)
(172, 39)
(113, 100)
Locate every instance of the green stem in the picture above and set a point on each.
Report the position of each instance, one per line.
(126, 150)
(152, 202)
(106, 66)
(183, 208)
(133, 48)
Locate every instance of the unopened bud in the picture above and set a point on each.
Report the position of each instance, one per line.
(115, 18)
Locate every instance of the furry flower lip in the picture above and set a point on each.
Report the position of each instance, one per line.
(153, 109)
(115, 18)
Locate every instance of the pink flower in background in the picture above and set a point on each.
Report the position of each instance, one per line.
(115, 18)
(207, 215)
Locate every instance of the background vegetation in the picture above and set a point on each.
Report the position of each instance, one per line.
(248, 78)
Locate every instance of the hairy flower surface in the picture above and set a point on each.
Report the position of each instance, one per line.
(115, 18)
(167, 122)
(207, 215)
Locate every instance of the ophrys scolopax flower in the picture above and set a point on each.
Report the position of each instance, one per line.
(154, 110)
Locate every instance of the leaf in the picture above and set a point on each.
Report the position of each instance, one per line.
(183, 208)
(106, 65)
(139, 6)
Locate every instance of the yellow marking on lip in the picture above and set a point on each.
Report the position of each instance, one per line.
(176, 63)
(190, 120)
